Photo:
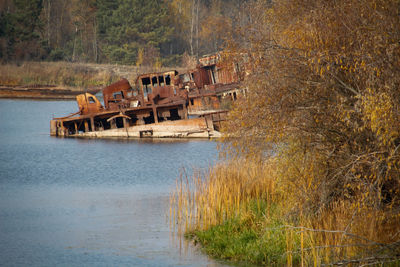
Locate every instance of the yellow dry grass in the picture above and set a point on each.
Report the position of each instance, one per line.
(344, 236)
(68, 74)
(204, 200)
(345, 232)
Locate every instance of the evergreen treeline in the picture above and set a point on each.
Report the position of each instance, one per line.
(141, 32)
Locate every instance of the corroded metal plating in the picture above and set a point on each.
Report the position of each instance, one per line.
(157, 98)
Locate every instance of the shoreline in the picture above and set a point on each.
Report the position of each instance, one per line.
(44, 92)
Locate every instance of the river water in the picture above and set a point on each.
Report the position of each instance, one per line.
(86, 202)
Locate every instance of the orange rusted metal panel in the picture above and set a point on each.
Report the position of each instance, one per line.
(115, 92)
(88, 104)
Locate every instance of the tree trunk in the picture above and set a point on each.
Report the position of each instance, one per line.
(95, 48)
(73, 50)
(192, 28)
(197, 30)
(60, 26)
(48, 22)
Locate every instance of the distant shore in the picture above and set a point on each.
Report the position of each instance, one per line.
(42, 92)
(62, 80)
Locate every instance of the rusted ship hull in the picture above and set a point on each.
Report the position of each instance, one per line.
(189, 128)
(157, 105)
(132, 123)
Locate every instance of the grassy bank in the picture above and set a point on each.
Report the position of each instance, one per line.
(250, 211)
(248, 237)
(66, 74)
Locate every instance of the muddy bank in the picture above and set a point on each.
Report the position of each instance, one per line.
(42, 91)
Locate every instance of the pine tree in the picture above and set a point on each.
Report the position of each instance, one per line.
(126, 26)
(20, 26)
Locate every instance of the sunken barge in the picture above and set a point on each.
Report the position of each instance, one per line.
(158, 105)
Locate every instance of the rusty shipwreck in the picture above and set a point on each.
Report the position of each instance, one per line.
(158, 105)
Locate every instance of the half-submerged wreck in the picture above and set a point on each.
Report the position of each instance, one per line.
(158, 105)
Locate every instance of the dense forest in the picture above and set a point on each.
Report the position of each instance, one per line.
(106, 31)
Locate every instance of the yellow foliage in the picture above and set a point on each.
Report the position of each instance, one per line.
(322, 112)
(140, 57)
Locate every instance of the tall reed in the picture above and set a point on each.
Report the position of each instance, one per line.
(343, 235)
(346, 232)
(207, 199)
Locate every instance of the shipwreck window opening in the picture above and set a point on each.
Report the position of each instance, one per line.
(134, 103)
(146, 86)
(148, 91)
(160, 119)
(89, 126)
(80, 127)
(149, 119)
(154, 81)
(146, 133)
(135, 91)
(133, 120)
(118, 95)
(168, 80)
(213, 74)
(174, 114)
(145, 82)
(192, 101)
(119, 122)
(105, 124)
(132, 92)
(161, 80)
(185, 77)
(70, 128)
(98, 125)
(91, 100)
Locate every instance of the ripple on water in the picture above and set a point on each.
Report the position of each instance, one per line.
(74, 202)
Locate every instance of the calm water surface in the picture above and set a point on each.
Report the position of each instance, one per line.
(82, 202)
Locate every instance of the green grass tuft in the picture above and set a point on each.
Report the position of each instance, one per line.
(249, 237)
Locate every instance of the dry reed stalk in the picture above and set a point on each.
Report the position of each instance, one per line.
(347, 231)
(202, 201)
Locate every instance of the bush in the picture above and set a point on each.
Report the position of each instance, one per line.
(57, 54)
(323, 96)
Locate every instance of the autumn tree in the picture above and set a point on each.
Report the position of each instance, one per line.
(181, 16)
(20, 28)
(217, 26)
(323, 101)
(84, 24)
(324, 92)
